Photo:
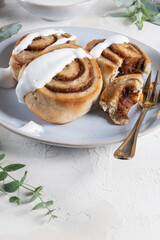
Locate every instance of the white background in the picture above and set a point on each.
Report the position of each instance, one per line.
(96, 196)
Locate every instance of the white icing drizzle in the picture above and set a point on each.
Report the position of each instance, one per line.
(29, 38)
(6, 79)
(64, 40)
(33, 128)
(40, 71)
(98, 49)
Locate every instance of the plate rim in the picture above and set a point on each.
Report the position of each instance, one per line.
(69, 145)
(75, 145)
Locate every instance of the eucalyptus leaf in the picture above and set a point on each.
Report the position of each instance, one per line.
(49, 212)
(139, 25)
(49, 203)
(3, 176)
(140, 10)
(9, 30)
(36, 193)
(2, 156)
(11, 187)
(16, 185)
(150, 6)
(13, 167)
(121, 3)
(23, 178)
(123, 13)
(39, 205)
(34, 197)
(38, 189)
(128, 12)
(139, 16)
(156, 22)
(14, 199)
(155, 19)
(139, 20)
(146, 12)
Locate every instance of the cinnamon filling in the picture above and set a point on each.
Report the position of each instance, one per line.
(130, 66)
(133, 63)
(40, 43)
(74, 89)
(37, 38)
(60, 77)
(126, 100)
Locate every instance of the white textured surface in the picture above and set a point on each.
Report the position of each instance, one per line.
(86, 184)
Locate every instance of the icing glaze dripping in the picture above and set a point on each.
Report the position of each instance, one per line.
(6, 79)
(98, 49)
(64, 40)
(33, 128)
(40, 71)
(29, 38)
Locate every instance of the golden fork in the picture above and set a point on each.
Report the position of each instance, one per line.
(149, 99)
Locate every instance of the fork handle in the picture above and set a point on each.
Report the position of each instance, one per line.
(128, 147)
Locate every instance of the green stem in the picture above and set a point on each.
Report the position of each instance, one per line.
(29, 189)
(7, 174)
(29, 185)
(15, 180)
(3, 190)
(50, 218)
(18, 193)
(46, 207)
(43, 202)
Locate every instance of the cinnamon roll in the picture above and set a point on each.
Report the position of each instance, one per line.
(116, 56)
(30, 45)
(60, 84)
(120, 95)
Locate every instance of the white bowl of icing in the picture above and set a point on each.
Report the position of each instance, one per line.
(57, 10)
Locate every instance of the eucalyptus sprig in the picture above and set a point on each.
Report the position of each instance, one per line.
(8, 30)
(138, 11)
(15, 186)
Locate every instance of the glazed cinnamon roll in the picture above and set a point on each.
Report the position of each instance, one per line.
(60, 84)
(120, 95)
(30, 45)
(116, 56)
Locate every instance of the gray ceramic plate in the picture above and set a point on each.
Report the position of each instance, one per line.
(93, 129)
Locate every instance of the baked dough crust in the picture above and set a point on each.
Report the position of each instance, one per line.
(70, 94)
(120, 95)
(120, 59)
(37, 45)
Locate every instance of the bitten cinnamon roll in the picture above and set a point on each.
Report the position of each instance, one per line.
(30, 45)
(116, 56)
(120, 95)
(60, 84)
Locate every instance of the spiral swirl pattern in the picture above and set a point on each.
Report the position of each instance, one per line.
(70, 94)
(37, 45)
(120, 59)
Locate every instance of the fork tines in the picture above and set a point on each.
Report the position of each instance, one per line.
(147, 94)
(155, 83)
